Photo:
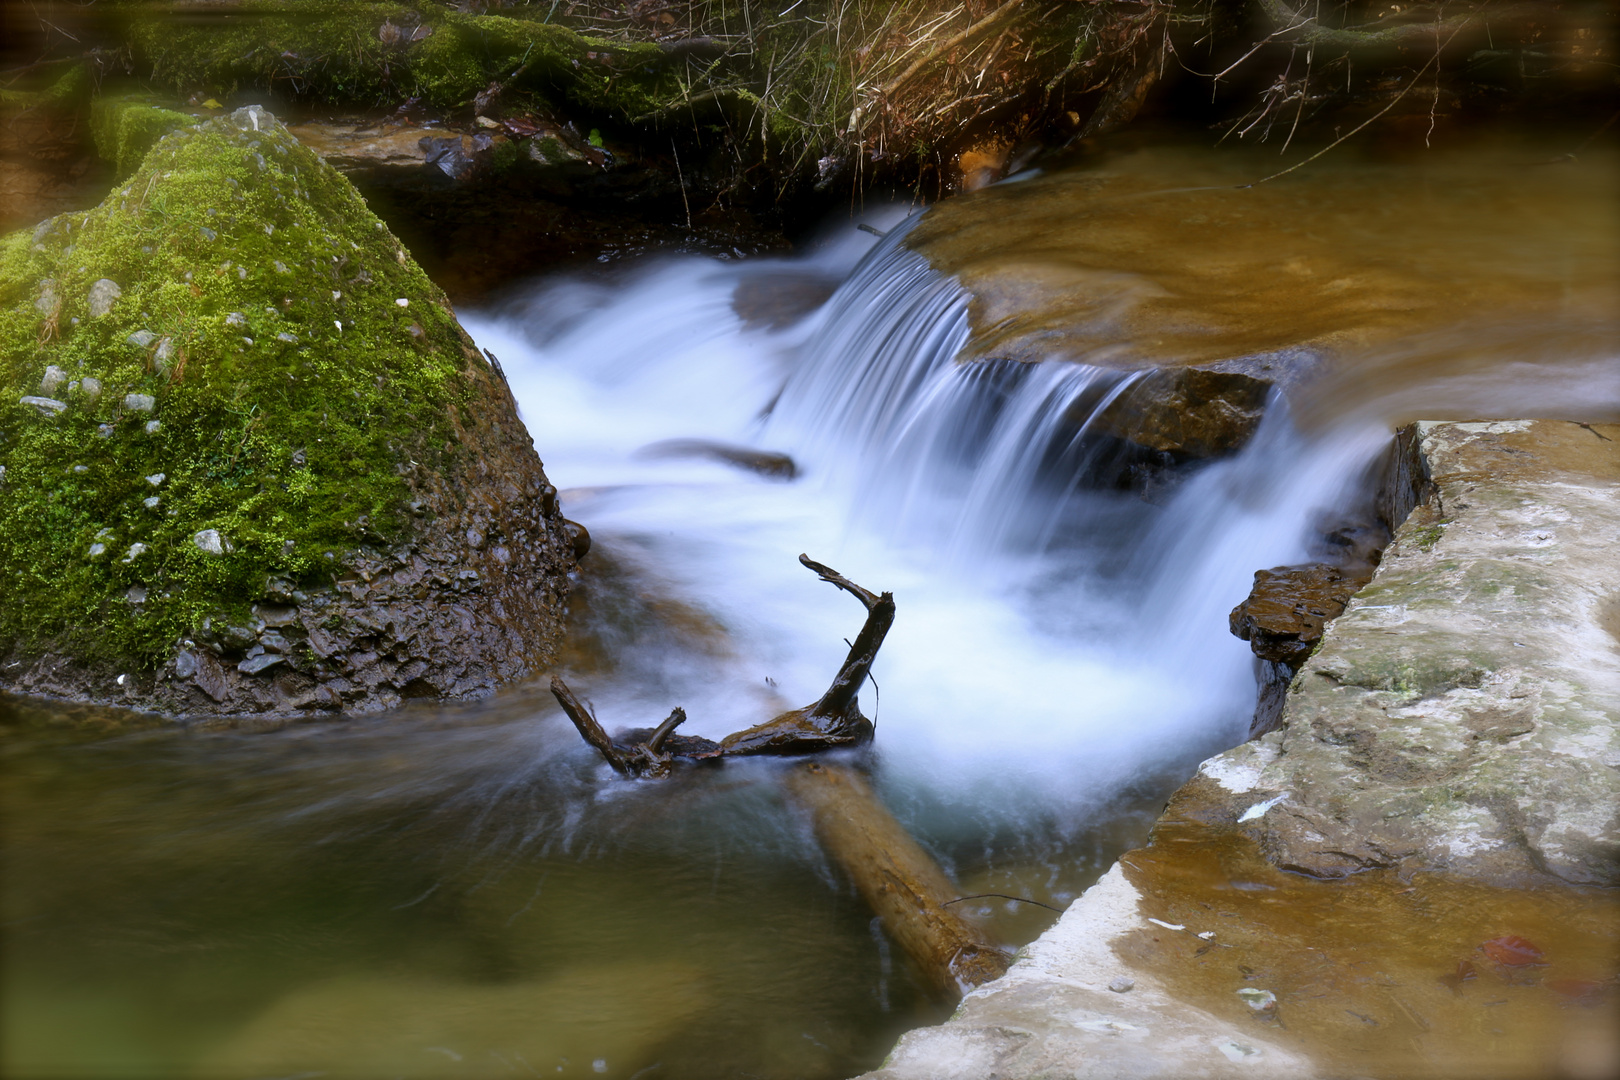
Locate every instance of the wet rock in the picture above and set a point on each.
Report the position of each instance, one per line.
(579, 538)
(140, 402)
(778, 299)
(1187, 413)
(209, 541)
(104, 292)
(1284, 614)
(255, 664)
(90, 387)
(52, 381)
(1461, 714)
(1055, 1013)
(141, 338)
(389, 153)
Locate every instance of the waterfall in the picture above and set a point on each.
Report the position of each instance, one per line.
(1052, 632)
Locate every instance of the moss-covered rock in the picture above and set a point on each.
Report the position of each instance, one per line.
(123, 129)
(250, 460)
(377, 53)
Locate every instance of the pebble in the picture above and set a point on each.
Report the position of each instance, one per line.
(97, 548)
(136, 550)
(164, 354)
(140, 402)
(152, 427)
(207, 233)
(104, 430)
(136, 594)
(53, 380)
(151, 502)
(156, 478)
(290, 339)
(46, 406)
(90, 387)
(235, 318)
(1122, 985)
(210, 541)
(103, 292)
(141, 338)
(48, 301)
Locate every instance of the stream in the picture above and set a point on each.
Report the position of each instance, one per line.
(468, 891)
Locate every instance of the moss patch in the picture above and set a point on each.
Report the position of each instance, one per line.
(124, 129)
(336, 51)
(257, 377)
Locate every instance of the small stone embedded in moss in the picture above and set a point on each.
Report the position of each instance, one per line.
(210, 541)
(46, 406)
(48, 301)
(97, 548)
(104, 292)
(153, 426)
(141, 338)
(136, 550)
(53, 380)
(151, 502)
(140, 402)
(156, 479)
(90, 387)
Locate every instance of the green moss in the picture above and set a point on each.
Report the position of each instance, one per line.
(1428, 536)
(124, 129)
(69, 89)
(292, 393)
(333, 50)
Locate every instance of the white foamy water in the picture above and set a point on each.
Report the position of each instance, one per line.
(1053, 641)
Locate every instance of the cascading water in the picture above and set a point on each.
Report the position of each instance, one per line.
(1035, 644)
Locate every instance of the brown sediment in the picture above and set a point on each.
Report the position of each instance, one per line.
(1383, 973)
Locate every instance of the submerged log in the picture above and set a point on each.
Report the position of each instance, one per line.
(896, 877)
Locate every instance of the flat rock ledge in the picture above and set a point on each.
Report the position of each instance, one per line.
(1071, 1007)
(1462, 716)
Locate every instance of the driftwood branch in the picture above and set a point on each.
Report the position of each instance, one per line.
(894, 875)
(835, 719)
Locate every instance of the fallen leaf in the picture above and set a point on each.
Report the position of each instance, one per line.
(1510, 950)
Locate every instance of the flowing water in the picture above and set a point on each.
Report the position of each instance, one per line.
(469, 892)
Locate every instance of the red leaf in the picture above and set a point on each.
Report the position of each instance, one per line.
(1512, 951)
(1578, 991)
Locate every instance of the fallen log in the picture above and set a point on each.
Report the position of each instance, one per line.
(891, 871)
(898, 880)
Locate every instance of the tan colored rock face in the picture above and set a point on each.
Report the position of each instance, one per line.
(1464, 712)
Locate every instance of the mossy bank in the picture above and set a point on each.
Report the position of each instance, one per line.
(251, 463)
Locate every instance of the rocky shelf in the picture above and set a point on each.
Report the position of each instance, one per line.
(1427, 838)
